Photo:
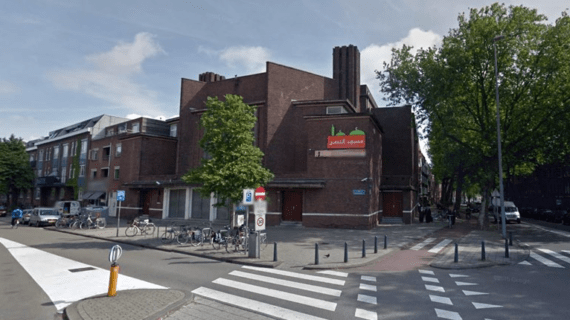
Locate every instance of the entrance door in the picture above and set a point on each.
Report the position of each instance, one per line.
(292, 205)
(392, 204)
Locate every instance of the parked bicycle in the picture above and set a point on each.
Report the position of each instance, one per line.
(170, 234)
(144, 227)
(65, 221)
(221, 238)
(89, 223)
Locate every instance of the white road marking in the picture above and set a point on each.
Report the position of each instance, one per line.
(525, 263)
(565, 251)
(427, 272)
(458, 275)
(365, 314)
(308, 301)
(51, 273)
(447, 314)
(287, 283)
(297, 275)
(253, 305)
(435, 288)
(473, 293)
(545, 261)
(368, 287)
(430, 279)
(367, 299)
(439, 299)
(556, 255)
(422, 244)
(440, 246)
(459, 283)
(367, 278)
(334, 273)
(484, 305)
(562, 233)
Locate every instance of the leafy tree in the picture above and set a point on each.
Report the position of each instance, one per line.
(15, 170)
(452, 90)
(232, 162)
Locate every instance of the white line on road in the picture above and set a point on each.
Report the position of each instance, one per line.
(365, 314)
(253, 305)
(447, 314)
(368, 287)
(565, 251)
(430, 279)
(473, 293)
(545, 261)
(51, 273)
(422, 244)
(439, 299)
(308, 301)
(459, 283)
(562, 233)
(484, 305)
(525, 263)
(440, 246)
(297, 275)
(458, 275)
(334, 273)
(367, 299)
(556, 255)
(367, 278)
(426, 272)
(435, 288)
(287, 283)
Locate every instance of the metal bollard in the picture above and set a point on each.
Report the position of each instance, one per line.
(363, 248)
(316, 253)
(345, 252)
(456, 258)
(385, 242)
(510, 238)
(375, 244)
(274, 251)
(113, 281)
(506, 248)
(483, 250)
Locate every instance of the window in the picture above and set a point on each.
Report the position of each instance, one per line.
(110, 132)
(93, 173)
(48, 153)
(118, 150)
(177, 203)
(63, 172)
(38, 192)
(65, 151)
(135, 127)
(56, 152)
(82, 170)
(336, 110)
(116, 172)
(84, 146)
(106, 153)
(32, 158)
(104, 172)
(71, 172)
(173, 130)
(94, 154)
(41, 156)
(39, 172)
(200, 206)
(122, 127)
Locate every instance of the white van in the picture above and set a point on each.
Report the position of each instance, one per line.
(511, 211)
(68, 207)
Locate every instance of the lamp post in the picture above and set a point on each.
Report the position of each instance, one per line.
(504, 227)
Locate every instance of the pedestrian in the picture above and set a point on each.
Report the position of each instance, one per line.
(422, 213)
(16, 216)
(429, 218)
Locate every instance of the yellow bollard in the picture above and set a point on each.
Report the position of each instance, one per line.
(113, 281)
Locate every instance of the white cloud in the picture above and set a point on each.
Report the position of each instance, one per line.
(7, 88)
(251, 59)
(373, 57)
(113, 76)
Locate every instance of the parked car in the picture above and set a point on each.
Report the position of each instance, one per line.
(43, 216)
(566, 218)
(26, 216)
(3, 211)
(511, 213)
(544, 214)
(558, 215)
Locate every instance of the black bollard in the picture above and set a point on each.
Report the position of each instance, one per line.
(510, 238)
(483, 250)
(316, 253)
(363, 248)
(385, 242)
(274, 251)
(345, 252)
(375, 244)
(456, 258)
(506, 248)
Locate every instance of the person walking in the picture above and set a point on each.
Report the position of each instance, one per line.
(16, 216)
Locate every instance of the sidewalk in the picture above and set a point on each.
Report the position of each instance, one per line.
(296, 251)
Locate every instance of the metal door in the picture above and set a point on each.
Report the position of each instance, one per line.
(392, 204)
(292, 205)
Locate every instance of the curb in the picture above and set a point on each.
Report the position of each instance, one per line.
(348, 265)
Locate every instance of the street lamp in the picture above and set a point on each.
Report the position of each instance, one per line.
(504, 227)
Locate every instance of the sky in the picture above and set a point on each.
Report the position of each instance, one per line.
(65, 61)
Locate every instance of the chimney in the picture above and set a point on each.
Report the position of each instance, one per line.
(210, 77)
(346, 72)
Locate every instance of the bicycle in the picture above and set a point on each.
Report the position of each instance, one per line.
(221, 238)
(186, 234)
(89, 223)
(16, 223)
(170, 234)
(144, 227)
(65, 221)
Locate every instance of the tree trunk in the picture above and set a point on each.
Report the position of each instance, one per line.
(458, 191)
(483, 221)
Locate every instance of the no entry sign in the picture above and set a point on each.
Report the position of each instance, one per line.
(260, 193)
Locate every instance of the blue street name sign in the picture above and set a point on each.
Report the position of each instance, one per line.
(120, 195)
(359, 192)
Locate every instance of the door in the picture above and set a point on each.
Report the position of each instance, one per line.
(292, 205)
(392, 204)
(112, 203)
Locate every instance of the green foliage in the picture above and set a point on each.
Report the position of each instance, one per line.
(15, 170)
(452, 90)
(233, 163)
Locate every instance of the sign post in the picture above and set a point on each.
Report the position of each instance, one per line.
(120, 199)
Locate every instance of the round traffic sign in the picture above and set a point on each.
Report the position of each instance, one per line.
(260, 193)
(260, 221)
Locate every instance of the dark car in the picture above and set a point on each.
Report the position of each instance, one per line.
(545, 215)
(566, 218)
(558, 215)
(3, 211)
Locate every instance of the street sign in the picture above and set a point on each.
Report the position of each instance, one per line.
(259, 222)
(121, 195)
(495, 194)
(359, 192)
(241, 208)
(260, 193)
(247, 196)
(260, 207)
(115, 253)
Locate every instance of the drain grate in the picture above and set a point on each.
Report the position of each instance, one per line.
(81, 269)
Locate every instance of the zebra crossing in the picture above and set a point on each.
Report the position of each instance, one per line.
(549, 258)
(435, 249)
(279, 293)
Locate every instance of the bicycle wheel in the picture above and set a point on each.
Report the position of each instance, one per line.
(167, 237)
(149, 228)
(263, 241)
(75, 224)
(195, 237)
(131, 231)
(59, 224)
(101, 223)
(183, 238)
(83, 225)
(216, 244)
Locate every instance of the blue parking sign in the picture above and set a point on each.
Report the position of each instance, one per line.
(120, 195)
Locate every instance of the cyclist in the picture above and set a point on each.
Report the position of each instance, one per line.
(16, 216)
